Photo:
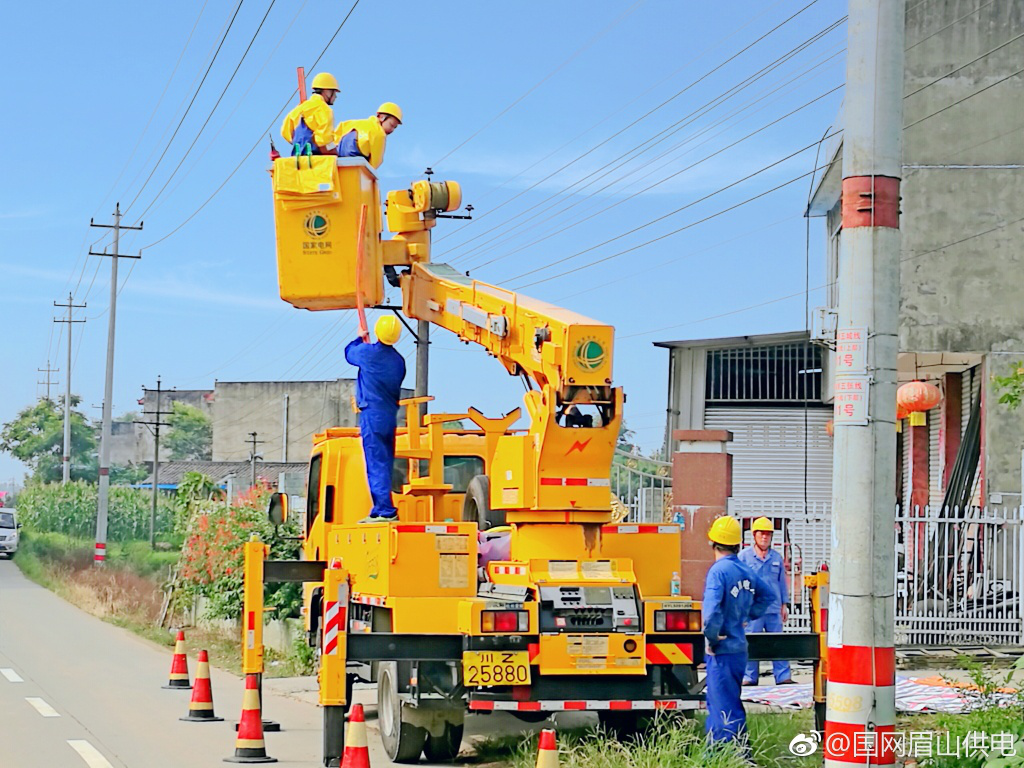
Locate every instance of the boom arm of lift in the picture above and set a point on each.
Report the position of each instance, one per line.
(560, 467)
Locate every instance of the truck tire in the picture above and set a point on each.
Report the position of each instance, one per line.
(402, 741)
(476, 506)
(444, 748)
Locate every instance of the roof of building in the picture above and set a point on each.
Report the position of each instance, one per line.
(172, 472)
(754, 340)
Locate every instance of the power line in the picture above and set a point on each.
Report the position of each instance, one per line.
(637, 120)
(673, 213)
(689, 119)
(258, 140)
(951, 24)
(670, 176)
(965, 98)
(189, 108)
(609, 116)
(964, 66)
(209, 117)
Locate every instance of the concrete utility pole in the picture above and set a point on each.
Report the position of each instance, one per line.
(103, 494)
(66, 459)
(422, 362)
(861, 712)
(47, 382)
(253, 455)
(284, 429)
(155, 426)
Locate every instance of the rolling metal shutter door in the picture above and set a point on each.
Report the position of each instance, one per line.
(768, 452)
(934, 459)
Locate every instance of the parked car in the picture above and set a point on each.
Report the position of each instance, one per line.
(9, 526)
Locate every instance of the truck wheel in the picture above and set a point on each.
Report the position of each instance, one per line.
(444, 748)
(402, 741)
(476, 506)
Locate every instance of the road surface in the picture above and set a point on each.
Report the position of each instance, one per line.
(76, 691)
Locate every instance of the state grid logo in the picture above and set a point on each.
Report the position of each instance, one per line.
(316, 224)
(589, 355)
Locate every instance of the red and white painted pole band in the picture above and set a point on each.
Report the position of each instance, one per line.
(100, 553)
(861, 707)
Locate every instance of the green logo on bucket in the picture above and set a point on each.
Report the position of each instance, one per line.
(316, 224)
(590, 355)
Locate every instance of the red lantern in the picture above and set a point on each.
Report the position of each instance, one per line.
(901, 412)
(916, 397)
(830, 428)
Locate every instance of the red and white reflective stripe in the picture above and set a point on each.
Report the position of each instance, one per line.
(639, 529)
(861, 688)
(585, 482)
(368, 599)
(427, 528)
(581, 705)
(332, 626)
(509, 570)
(100, 552)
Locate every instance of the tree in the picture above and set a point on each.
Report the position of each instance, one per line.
(36, 437)
(1011, 386)
(625, 441)
(190, 436)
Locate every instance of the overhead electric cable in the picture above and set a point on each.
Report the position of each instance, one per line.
(965, 98)
(975, 60)
(193, 101)
(209, 117)
(679, 210)
(639, 119)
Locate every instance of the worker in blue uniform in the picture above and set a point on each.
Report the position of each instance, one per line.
(767, 563)
(733, 595)
(378, 390)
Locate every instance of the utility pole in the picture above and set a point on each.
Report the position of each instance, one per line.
(253, 455)
(155, 427)
(47, 382)
(66, 459)
(422, 362)
(284, 429)
(103, 494)
(860, 713)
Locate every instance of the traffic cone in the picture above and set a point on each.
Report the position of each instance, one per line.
(547, 750)
(200, 709)
(249, 746)
(179, 665)
(357, 754)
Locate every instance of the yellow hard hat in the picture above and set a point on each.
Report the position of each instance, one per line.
(725, 531)
(325, 81)
(390, 108)
(387, 329)
(763, 524)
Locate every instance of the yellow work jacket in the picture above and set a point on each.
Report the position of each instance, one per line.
(370, 138)
(319, 118)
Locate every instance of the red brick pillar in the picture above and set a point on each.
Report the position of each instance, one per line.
(701, 486)
(918, 478)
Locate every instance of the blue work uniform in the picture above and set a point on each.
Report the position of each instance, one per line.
(378, 390)
(772, 571)
(733, 595)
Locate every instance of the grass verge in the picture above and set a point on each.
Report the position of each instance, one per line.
(128, 593)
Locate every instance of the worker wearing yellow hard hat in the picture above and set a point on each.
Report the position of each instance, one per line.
(367, 138)
(733, 595)
(767, 563)
(309, 128)
(378, 390)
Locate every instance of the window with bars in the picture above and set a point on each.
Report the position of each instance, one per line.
(779, 373)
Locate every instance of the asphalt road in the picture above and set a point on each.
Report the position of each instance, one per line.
(76, 691)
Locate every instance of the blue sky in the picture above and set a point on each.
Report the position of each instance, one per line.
(584, 132)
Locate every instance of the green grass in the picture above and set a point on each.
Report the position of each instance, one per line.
(672, 742)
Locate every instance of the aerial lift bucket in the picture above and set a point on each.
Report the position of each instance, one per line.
(318, 201)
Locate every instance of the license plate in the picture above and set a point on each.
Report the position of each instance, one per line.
(489, 668)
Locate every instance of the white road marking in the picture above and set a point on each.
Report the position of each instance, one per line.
(11, 675)
(92, 756)
(42, 707)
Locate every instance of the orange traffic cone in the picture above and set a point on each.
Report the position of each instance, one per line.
(547, 750)
(249, 746)
(200, 709)
(357, 754)
(179, 665)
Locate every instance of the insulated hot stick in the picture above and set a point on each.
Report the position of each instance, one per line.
(364, 331)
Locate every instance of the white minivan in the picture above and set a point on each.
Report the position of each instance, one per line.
(8, 532)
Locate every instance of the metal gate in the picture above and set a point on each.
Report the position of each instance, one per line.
(644, 486)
